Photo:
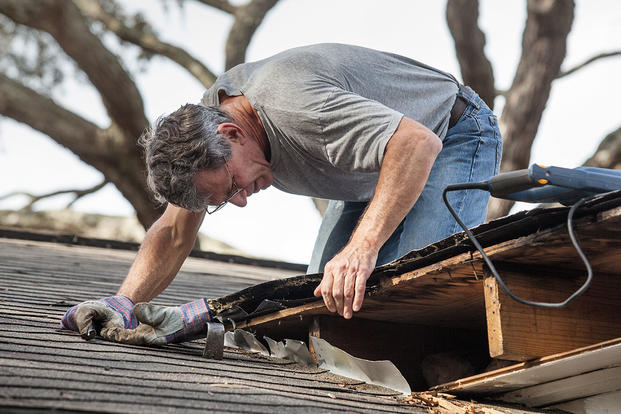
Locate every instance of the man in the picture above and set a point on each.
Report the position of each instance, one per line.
(379, 134)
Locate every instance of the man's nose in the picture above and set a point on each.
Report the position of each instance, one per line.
(240, 199)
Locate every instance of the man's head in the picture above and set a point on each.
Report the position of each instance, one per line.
(199, 156)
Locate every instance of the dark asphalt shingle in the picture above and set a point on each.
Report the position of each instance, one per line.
(44, 368)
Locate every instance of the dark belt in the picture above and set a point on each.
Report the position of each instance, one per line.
(459, 106)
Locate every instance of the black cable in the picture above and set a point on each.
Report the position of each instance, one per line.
(484, 186)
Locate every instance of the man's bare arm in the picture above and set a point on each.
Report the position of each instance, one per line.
(164, 249)
(408, 159)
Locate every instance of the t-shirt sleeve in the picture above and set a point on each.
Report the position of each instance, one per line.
(355, 130)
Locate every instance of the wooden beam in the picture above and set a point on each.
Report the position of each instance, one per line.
(520, 332)
(292, 323)
(313, 308)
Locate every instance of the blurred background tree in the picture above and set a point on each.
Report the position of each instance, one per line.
(44, 41)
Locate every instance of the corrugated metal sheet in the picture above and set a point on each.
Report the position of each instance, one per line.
(42, 367)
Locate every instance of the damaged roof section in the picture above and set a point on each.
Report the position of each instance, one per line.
(442, 317)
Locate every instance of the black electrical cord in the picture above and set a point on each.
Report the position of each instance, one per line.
(484, 186)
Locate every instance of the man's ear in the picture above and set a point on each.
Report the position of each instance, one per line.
(232, 131)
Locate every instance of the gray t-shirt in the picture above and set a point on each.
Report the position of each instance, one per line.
(330, 109)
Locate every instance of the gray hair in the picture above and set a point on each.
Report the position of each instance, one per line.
(179, 146)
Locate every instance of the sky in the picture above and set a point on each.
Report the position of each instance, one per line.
(582, 108)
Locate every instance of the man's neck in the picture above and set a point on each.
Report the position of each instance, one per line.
(248, 119)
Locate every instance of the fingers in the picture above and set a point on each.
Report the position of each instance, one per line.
(90, 315)
(325, 287)
(143, 335)
(359, 289)
(317, 291)
(337, 291)
(344, 282)
(348, 295)
(150, 314)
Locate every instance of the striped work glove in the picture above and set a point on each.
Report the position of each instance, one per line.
(101, 314)
(160, 325)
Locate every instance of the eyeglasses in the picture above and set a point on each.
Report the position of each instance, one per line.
(232, 193)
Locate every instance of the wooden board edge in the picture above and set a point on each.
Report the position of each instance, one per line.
(282, 314)
(462, 384)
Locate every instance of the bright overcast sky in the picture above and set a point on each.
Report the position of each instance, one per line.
(582, 109)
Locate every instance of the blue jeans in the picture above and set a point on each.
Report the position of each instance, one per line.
(471, 152)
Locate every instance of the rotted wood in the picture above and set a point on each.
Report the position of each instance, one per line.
(599, 237)
(446, 294)
(289, 323)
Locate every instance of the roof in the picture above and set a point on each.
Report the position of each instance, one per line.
(45, 367)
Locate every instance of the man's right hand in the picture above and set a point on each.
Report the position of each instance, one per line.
(89, 317)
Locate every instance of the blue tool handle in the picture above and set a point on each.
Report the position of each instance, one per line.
(540, 184)
(588, 179)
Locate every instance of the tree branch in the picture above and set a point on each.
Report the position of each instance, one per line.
(476, 70)
(43, 114)
(575, 68)
(77, 194)
(587, 62)
(63, 20)
(223, 5)
(106, 150)
(608, 153)
(247, 18)
(147, 41)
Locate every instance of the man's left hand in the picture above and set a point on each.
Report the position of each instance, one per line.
(345, 279)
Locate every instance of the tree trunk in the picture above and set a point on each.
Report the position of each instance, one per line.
(247, 19)
(476, 70)
(543, 51)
